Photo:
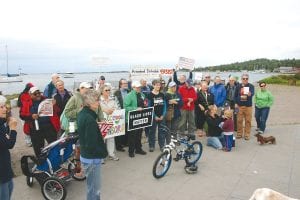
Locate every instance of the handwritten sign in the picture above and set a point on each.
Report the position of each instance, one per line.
(114, 124)
(45, 108)
(149, 72)
(186, 63)
(198, 76)
(140, 118)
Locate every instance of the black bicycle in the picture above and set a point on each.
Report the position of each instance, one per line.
(191, 153)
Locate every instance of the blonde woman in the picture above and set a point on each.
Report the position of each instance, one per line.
(108, 104)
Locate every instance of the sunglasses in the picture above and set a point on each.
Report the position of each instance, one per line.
(36, 93)
(245, 78)
(107, 90)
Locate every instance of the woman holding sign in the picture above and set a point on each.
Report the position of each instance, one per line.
(108, 105)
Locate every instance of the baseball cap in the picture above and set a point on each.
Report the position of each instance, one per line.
(33, 89)
(102, 78)
(136, 84)
(189, 81)
(85, 85)
(172, 84)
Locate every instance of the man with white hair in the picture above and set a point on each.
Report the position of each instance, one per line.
(50, 88)
(8, 136)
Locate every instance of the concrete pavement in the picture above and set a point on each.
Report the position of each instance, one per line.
(221, 175)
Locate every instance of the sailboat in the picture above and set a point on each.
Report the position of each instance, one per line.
(9, 78)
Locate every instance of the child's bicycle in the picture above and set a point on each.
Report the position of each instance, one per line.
(191, 153)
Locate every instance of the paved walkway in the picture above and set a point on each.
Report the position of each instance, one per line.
(221, 176)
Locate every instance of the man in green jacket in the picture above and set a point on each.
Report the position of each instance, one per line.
(93, 148)
(135, 100)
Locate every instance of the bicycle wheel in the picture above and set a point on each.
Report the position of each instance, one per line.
(193, 153)
(54, 189)
(162, 164)
(29, 181)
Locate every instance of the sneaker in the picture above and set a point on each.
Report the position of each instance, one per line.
(131, 155)
(115, 158)
(257, 129)
(28, 140)
(141, 152)
(102, 161)
(260, 132)
(151, 149)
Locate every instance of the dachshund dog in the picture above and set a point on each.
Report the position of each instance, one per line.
(262, 140)
(268, 194)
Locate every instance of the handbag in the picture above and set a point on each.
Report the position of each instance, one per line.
(170, 113)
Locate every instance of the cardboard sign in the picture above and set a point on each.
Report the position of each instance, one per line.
(186, 63)
(148, 72)
(45, 108)
(140, 119)
(198, 76)
(114, 124)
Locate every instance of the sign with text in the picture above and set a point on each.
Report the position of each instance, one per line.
(114, 124)
(186, 63)
(149, 72)
(198, 76)
(140, 118)
(45, 108)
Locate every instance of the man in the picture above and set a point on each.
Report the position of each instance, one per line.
(120, 94)
(243, 103)
(41, 128)
(61, 96)
(230, 97)
(182, 78)
(8, 136)
(134, 101)
(189, 97)
(219, 92)
(100, 83)
(207, 79)
(50, 88)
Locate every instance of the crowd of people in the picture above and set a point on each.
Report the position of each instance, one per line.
(202, 107)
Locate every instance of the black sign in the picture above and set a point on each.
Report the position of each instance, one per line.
(140, 118)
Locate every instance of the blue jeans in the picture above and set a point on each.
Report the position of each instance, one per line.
(6, 190)
(161, 134)
(93, 176)
(215, 142)
(261, 116)
(228, 141)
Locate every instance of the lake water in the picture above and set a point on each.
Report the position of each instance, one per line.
(41, 80)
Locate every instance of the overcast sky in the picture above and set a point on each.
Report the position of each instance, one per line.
(47, 36)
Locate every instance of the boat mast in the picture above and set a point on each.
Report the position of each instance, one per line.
(6, 60)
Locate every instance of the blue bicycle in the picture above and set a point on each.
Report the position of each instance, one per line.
(191, 153)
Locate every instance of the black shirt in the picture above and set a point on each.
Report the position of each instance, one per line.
(158, 102)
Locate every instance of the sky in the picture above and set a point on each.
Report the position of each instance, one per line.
(77, 36)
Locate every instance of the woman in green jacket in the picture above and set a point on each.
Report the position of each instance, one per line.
(93, 149)
(263, 101)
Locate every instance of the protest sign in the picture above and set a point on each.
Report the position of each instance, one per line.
(140, 118)
(114, 125)
(198, 76)
(149, 72)
(186, 63)
(45, 108)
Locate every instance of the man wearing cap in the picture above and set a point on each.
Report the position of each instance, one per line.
(100, 83)
(174, 103)
(135, 101)
(50, 88)
(73, 107)
(41, 127)
(182, 78)
(8, 136)
(189, 97)
(207, 79)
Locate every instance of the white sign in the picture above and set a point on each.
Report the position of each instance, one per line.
(114, 125)
(45, 108)
(149, 72)
(198, 76)
(186, 63)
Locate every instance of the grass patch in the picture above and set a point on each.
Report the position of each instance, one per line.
(283, 79)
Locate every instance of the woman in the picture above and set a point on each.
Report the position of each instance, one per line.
(108, 105)
(204, 99)
(93, 149)
(263, 99)
(174, 102)
(7, 141)
(214, 134)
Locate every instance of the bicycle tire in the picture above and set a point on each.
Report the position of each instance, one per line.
(163, 162)
(195, 155)
(54, 189)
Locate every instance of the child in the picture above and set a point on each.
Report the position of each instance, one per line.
(228, 128)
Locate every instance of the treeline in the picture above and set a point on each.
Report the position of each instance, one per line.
(251, 65)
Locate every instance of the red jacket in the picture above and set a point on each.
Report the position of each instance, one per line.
(186, 93)
(24, 112)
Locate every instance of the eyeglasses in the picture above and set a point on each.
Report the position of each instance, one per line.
(107, 90)
(36, 93)
(245, 78)
(262, 86)
(207, 76)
